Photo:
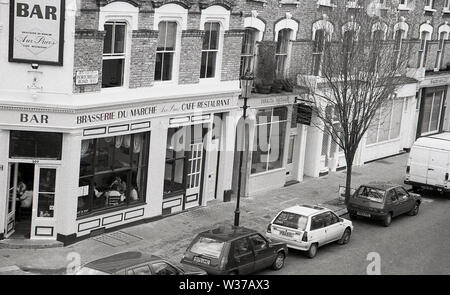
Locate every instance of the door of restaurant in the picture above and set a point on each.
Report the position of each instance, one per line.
(291, 174)
(30, 201)
(194, 175)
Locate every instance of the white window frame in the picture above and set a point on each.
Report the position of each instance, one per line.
(379, 26)
(120, 11)
(328, 30)
(446, 8)
(172, 12)
(113, 55)
(428, 29)
(259, 26)
(443, 29)
(429, 6)
(431, 114)
(219, 14)
(403, 5)
(292, 25)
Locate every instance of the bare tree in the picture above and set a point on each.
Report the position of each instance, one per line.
(357, 69)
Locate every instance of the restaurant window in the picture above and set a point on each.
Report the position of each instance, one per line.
(174, 175)
(431, 110)
(113, 172)
(210, 50)
(281, 54)
(114, 54)
(270, 132)
(248, 51)
(386, 123)
(165, 51)
(30, 144)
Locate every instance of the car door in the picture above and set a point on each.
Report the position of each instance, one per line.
(392, 202)
(163, 268)
(264, 255)
(406, 202)
(243, 256)
(317, 229)
(333, 227)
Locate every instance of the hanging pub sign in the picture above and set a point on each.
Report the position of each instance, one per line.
(304, 114)
(36, 31)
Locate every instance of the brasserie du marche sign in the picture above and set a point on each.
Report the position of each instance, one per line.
(36, 33)
(153, 110)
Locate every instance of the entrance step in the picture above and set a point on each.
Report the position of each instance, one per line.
(29, 244)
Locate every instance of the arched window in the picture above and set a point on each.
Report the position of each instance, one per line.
(281, 53)
(425, 35)
(319, 44)
(165, 50)
(210, 50)
(248, 51)
(444, 33)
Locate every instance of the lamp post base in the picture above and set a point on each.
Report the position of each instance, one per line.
(236, 217)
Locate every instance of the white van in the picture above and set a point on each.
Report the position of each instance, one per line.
(429, 163)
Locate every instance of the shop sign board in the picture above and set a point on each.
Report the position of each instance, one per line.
(304, 114)
(36, 33)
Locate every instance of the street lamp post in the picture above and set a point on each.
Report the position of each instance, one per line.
(246, 85)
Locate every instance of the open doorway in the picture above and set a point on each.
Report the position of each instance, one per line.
(21, 182)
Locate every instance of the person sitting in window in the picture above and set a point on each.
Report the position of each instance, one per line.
(117, 191)
(26, 199)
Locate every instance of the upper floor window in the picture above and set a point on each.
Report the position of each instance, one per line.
(114, 54)
(319, 44)
(443, 35)
(398, 37)
(424, 36)
(165, 50)
(248, 51)
(447, 5)
(281, 53)
(210, 50)
(428, 4)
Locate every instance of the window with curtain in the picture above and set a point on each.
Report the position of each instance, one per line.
(386, 124)
(248, 51)
(398, 37)
(113, 172)
(423, 48)
(432, 103)
(165, 50)
(114, 54)
(268, 146)
(442, 37)
(319, 43)
(281, 53)
(210, 50)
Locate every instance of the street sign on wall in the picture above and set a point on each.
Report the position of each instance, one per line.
(304, 114)
(36, 31)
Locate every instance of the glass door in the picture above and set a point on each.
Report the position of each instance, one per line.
(13, 172)
(194, 175)
(44, 193)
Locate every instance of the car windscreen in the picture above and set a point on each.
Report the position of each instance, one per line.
(292, 220)
(371, 194)
(208, 246)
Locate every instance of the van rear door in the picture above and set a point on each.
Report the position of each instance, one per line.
(437, 167)
(418, 164)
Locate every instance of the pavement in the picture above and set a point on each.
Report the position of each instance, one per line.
(169, 237)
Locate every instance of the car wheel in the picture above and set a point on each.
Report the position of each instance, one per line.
(414, 210)
(387, 220)
(279, 261)
(345, 237)
(415, 188)
(312, 250)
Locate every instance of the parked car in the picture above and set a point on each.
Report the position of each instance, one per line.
(234, 250)
(383, 201)
(306, 228)
(136, 263)
(429, 163)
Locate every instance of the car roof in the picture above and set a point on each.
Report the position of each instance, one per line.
(228, 232)
(306, 210)
(382, 185)
(117, 262)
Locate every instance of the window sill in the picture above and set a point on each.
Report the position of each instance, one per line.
(173, 194)
(110, 210)
(296, 3)
(446, 10)
(404, 8)
(429, 9)
(113, 89)
(263, 2)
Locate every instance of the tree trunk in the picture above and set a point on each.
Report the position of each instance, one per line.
(348, 181)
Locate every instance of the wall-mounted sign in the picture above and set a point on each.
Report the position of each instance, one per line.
(86, 78)
(36, 33)
(304, 114)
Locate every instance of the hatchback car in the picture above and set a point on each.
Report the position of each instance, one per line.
(234, 250)
(136, 263)
(306, 228)
(383, 201)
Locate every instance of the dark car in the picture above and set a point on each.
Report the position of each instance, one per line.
(383, 201)
(234, 250)
(136, 263)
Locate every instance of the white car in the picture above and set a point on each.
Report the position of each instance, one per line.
(306, 228)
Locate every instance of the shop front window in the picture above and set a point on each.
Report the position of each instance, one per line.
(432, 110)
(113, 172)
(46, 193)
(174, 175)
(269, 139)
(386, 123)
